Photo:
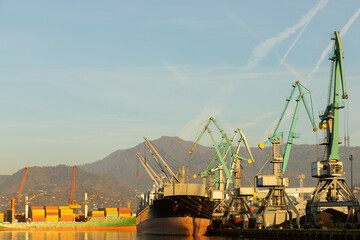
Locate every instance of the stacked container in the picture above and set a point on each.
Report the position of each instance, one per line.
(37, 214)
(125, 212)
(52, 213)
(111, 212)
(66, 214)
(9, 215)
(97, 214)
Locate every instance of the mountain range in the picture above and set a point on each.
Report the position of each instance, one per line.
(119, 177)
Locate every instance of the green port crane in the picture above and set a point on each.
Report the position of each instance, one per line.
(277, 198)
(329, 170)
(237, 206)
(310, 112)
(228, 149)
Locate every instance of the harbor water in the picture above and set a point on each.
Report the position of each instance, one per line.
(98, 235)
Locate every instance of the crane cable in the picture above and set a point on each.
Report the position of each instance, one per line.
(346, 122)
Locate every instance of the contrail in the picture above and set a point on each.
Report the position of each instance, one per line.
(327, 49)
(240, 22)
(293, 44)
(261, 50)
(349, 23)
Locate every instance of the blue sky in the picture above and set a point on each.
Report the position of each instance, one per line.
(82, 79)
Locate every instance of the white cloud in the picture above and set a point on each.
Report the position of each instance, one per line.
(325, 52)
(263, 49)
(188, 131)
(180, 76)
(258, 119)
(350, 22)
(293, 44)
(238, 21)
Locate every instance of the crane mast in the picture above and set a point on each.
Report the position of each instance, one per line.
(72, 192)
(72, 201)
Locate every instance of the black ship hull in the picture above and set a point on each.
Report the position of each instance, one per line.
(176, 215)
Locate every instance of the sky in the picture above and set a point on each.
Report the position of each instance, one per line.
(81, 79)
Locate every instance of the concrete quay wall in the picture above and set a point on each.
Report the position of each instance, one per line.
(331, 234)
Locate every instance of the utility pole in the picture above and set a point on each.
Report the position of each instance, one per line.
(86, 208)
(351, 161)
(301, 178)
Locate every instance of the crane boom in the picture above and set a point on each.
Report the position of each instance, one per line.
(157, 161)
(246, 145)
(330, 118)
(302, 91)
(226, 145)
(221, 158)
(291, 136)
(251, 160)
(148, 169)
(161, 159)
(21, 188)
(200, 136)
(72, 202)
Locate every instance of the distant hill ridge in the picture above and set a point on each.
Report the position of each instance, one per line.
(115, 177)
(124, 163)
(52, 186)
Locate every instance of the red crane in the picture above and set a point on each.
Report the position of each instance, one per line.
(20, 189)
(72, 203)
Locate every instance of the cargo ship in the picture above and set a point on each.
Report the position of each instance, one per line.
(176, 208)
(173, 206)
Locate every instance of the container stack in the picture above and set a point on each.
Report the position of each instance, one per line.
(66, 214)
(125, 212)
(52, 213)
(97, 214)
(37, 214)
(9, 215)
(111, 212)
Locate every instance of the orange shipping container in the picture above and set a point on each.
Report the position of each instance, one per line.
(40, 212)
(125, 210)
(36, 207)
(52, 214)
(51, 207)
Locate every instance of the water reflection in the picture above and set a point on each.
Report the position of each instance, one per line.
(67, 235)
(146, 237)
(97, 235)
